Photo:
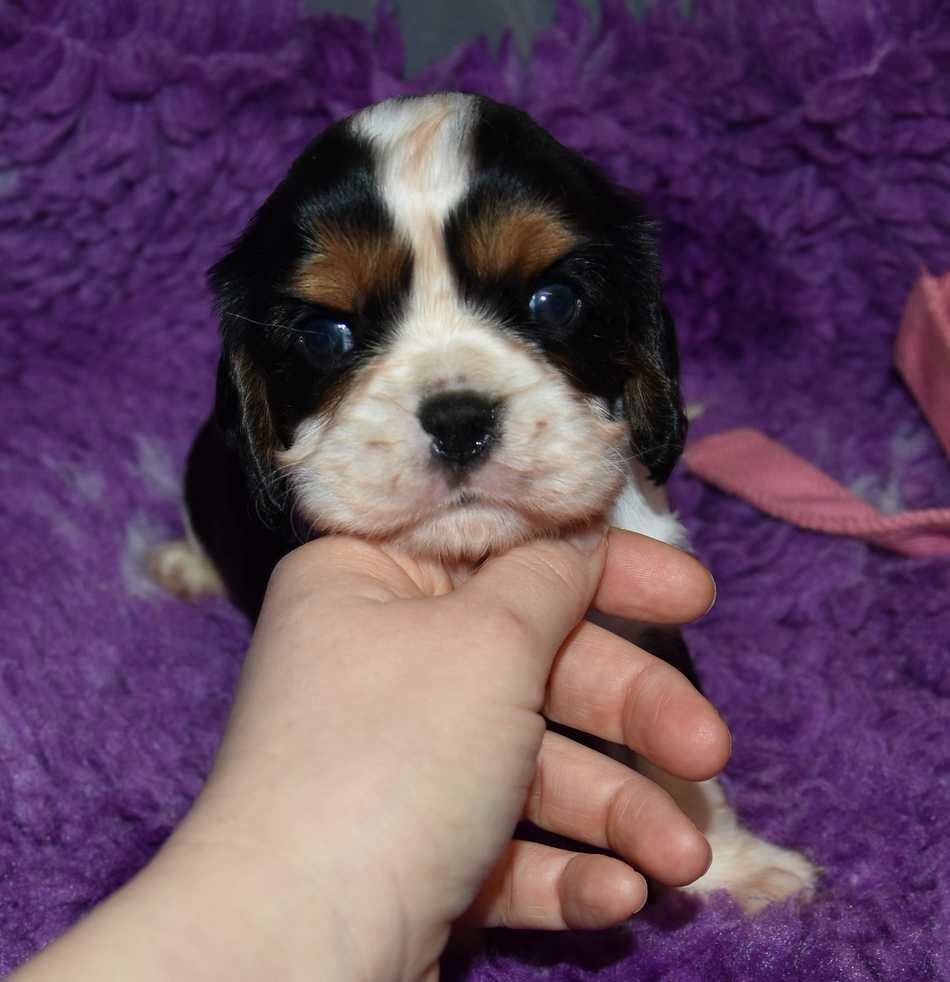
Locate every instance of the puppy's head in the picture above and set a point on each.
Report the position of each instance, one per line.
(445, 329)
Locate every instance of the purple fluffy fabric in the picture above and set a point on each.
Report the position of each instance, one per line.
(798, 157)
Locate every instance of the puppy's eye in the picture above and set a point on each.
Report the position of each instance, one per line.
(554, 305)
(325, 339)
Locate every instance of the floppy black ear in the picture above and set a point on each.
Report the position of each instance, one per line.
(243, 415)
(652, 401)
(242, 409)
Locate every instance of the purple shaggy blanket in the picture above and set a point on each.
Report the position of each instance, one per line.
(798, 156)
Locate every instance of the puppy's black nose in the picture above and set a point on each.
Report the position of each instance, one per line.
(463, 426)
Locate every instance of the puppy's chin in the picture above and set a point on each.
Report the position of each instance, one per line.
(470, 532)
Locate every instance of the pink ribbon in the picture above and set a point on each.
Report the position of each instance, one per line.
(749, 465)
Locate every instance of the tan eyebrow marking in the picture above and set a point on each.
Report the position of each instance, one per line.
(351, 265)
(521, 239)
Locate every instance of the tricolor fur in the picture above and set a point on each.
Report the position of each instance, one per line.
(445, 330)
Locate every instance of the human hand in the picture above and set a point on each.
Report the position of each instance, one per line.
(387, 737)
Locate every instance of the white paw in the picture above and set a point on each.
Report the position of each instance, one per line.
(755, 872)
(183, 570)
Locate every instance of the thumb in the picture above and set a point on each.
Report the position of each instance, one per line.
(543, 588)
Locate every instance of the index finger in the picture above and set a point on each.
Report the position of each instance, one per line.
(647, 580)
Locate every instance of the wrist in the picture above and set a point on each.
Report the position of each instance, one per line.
(189, 918)
(235, 914)
(266, 906)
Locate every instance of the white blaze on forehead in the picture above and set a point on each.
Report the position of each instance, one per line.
(422, 144)
(423, 160)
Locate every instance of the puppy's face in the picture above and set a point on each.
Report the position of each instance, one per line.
(444, 329)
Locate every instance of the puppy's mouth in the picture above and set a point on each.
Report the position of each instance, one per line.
(469, 498)
(465, 499)
(474, 500)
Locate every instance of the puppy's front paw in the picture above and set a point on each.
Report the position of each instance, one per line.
(755, 872)
(184, 570)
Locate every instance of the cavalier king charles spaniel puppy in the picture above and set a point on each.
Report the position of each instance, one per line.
(446, 330)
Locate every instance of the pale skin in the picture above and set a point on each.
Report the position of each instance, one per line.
(387, 736)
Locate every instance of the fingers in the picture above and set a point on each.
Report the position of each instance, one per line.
(542, 888)
(581, 794)
(603, 685)
(649, 581)
(538, 591)
(586, 796)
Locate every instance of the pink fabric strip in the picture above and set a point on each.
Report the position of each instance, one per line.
(748, 464)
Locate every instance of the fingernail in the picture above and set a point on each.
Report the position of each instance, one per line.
(646, 897)
(711, 858)
(588, 539)
(715, 594)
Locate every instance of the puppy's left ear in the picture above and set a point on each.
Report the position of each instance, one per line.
(652, 401)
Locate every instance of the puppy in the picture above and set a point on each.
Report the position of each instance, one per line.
(445, 330)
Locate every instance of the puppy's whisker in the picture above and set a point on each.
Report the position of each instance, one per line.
(285, 470)
(382, 397)
(530, 386)
(287, 328)
(639, 452)
(307, 533)
(231, 312)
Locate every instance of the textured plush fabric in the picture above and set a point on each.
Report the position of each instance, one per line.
(798, 156)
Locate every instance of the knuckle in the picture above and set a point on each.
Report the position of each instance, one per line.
(287, 567)
(507, 626)
(625, 810)
(305, 556)
(306, 561)
(557, 574)
(643, 702)
(296, 576)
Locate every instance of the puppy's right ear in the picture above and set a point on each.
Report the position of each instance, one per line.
(242, 409)
(227, 403)
(243, 415)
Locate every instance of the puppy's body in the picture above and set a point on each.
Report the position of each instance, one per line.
(445, 330)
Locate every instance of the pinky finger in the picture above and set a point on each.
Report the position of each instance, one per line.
(538, 887)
